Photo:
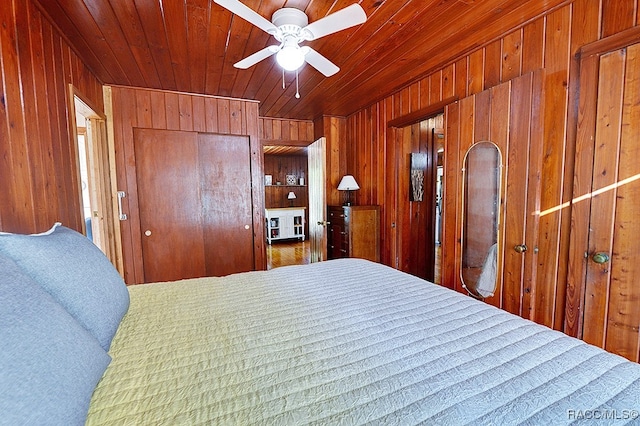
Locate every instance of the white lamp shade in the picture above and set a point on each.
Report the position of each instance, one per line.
(291, 196)
(348, 183)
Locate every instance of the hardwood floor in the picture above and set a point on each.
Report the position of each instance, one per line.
(283, 253)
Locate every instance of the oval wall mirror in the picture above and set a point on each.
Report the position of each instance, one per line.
(481, 179)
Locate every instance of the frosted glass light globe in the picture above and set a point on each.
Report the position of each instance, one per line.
(290, 58)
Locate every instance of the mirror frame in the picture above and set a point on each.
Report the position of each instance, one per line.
(498, 218)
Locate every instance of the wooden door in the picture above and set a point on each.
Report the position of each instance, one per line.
(507, 115)
(316, 154)
(603, 293)
(194, 198)
(226, 194)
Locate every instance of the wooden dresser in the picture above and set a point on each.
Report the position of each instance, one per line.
(354, 231)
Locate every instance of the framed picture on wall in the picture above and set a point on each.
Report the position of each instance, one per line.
(418, 169)
(268, 180)
(292, 180)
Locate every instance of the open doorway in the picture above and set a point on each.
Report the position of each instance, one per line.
(287, 205)
(415, 193)
(439, 163)
(94, 177)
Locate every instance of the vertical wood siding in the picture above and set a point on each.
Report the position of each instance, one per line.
(548, 42)
(38, 167)
(277, 131)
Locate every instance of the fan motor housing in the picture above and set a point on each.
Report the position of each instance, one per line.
(289, 16)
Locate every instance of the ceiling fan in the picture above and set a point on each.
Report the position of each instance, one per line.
(290, 27)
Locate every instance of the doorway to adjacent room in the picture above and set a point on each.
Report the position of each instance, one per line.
(286, 188)
(94, 175)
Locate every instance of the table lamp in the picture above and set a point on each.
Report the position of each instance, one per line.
(291, 196)
(348, 183)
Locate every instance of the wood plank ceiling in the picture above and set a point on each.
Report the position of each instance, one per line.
(191, 46)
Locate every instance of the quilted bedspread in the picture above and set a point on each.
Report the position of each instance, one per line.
(348, 342)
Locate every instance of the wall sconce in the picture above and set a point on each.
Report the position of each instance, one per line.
(348, 183)
(291, 196)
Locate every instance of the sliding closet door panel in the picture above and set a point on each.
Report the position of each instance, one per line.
(523, 142)
(608, 292)
(603, 200)
(508, 116)
(581, 207)
(169, 204)
(623, 334)
(225, 189)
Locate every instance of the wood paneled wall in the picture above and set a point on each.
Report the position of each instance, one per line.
(277, 131)
(38, 165)
(333, 129)
(548, 42)
(157, 109)
(279, 166)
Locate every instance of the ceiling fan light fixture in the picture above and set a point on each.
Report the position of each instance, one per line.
(290, 58)
(290, 26)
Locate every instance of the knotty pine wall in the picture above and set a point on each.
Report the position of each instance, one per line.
(38, 168)
(277, 131)
(279, 166)
(548, 42)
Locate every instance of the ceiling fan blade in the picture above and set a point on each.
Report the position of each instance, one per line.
(251, 60)
(247, 14)
(319, 62)
(337, 21)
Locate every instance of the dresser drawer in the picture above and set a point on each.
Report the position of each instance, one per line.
(336, 216)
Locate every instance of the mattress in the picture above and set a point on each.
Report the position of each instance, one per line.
(348, 342)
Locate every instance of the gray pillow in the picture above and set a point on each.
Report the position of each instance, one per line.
(49, 364)
(76, 273)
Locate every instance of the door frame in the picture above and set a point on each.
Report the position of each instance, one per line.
(101, 175)
(397, 185)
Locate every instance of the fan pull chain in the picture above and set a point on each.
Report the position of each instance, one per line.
(297, 86)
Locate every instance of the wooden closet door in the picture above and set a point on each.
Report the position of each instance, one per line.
(603, 293)
(227, 210)
(194, 198)
(168, 198)
(509, 116)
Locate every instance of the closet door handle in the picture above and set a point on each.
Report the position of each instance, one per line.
(520, 248)
(121, 195)
(600, 258)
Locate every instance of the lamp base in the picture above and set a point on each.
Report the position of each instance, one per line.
(347, 198)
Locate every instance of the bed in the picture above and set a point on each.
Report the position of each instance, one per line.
(345, 341)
